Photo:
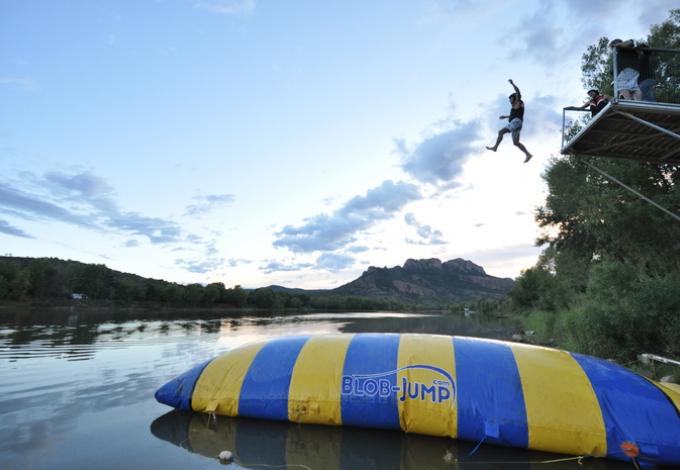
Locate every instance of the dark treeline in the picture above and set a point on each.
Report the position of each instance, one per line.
(41, 279)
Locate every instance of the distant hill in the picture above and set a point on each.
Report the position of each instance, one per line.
(428, 280)
(297, 290)
(424, 283)
(421, 281)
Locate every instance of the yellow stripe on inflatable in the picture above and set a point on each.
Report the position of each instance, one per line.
(672, 391)
(219, 386)
(563, 414)
(315, 385)
(426, 416)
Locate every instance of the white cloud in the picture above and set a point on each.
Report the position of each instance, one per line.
(227, 7)
(439, 158)
(207, 203)
(20, 83)
(334, 262)
(428, 236)
(8, 229)
(330, 232)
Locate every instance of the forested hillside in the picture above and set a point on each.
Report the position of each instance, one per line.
(51, 279)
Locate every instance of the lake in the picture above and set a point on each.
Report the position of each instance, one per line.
(76, 391)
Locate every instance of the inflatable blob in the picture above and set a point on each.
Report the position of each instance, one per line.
(472, 389)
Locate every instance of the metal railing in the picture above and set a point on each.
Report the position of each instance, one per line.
(658, 82)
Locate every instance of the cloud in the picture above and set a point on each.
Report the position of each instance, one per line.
(428, 236)
(538, 36)
(648, 12)
(227, 7)
(208, 262)
(276, 266)
(158, 231)
(84, 200)
(31, 207)
(541, 37)
(655, 11)
(19, 83)
(502, 254)
(357, 249)
(208, 203)
(334, 262)
(544, 114)
(199, 265)
(8, 229)
(85, 186)
(330, 232)
(439, 158)
(131, 243)
(233, 262)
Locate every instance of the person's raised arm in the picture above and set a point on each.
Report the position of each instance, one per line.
(577, 108)
(519, 95)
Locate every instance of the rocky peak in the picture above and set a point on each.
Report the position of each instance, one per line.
(422, 264)
(464, 266)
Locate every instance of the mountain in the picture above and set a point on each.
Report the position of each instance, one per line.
(428, 281)
(425, 282)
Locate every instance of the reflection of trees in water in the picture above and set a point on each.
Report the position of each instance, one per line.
(84, 329)
(255, 443)
(435, 324)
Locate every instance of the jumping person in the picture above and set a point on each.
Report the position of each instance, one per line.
(514, 122)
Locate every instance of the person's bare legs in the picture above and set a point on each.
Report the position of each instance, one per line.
(501, 133)
(521, 146)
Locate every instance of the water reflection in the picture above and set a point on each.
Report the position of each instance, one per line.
(76, 390)
(257, 443)
(54, 333)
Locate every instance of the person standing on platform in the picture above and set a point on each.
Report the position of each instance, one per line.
(596, 102)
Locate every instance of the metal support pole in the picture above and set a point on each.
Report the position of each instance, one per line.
(616, 73)
(648, 124)
(564, 120)
(669, 155)
(641, 196)
(619, 142)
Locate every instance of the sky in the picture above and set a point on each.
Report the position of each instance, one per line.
(259, 142)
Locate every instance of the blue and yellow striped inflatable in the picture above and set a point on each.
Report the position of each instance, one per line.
(466, 388)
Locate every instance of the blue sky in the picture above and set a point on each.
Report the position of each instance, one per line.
(256, 142)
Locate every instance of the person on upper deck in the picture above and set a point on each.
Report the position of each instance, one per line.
(515, 121)
(596, 102)
(627, 69)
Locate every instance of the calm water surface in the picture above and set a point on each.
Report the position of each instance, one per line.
(76, 391)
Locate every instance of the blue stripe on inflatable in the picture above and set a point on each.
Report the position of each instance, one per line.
(264, 393)
(642, 415)
(368, 398)
(490, 398)
(177, 393)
